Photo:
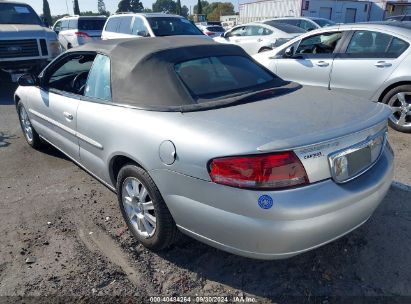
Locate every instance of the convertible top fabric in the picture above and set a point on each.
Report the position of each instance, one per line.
(142, 69)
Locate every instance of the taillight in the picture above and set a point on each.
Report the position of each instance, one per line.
(209, 33)
(82, 35)
(268, 171)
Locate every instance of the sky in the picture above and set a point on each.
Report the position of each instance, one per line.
(58, 7)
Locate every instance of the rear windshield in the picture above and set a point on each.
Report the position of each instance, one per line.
(12, 13)
(221, 75)
(215, 29)
(169, 26)
(287, 28)
(91, 24)
(324, 22)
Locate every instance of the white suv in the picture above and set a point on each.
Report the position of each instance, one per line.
(148, 25)
(77, 30)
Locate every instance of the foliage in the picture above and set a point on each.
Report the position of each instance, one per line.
(178, 7)
(214, 10)
(76, 7)
(101, 7)
(47, 13)
(199, 7)
(134, 6)
(184, 11)
(164, 6)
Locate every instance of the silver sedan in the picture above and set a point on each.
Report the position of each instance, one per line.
(194, 136)
(369, 60)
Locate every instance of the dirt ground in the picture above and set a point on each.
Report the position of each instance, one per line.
(62, 235)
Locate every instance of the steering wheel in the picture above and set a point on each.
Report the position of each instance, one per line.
(79, 81)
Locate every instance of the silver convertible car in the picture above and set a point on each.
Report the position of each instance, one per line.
(195, 136)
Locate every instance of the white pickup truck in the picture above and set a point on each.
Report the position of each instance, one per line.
(26, 44)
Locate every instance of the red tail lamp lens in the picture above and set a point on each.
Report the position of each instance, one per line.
(269, 171)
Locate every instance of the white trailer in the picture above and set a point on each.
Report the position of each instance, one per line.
(340, 11)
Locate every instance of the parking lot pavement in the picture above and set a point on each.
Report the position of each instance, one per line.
(62, 233)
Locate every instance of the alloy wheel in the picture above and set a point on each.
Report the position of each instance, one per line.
(400, 104)
(139, 207)
(26, 124)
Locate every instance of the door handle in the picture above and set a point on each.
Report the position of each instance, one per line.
(322, 63)
(259, 40)
(68, 116)
(382, 64)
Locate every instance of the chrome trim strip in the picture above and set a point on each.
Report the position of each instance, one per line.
(354, 148)
(68, 130)
(89, 141)
(81, 166)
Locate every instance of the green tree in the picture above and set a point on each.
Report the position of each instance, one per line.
(199, 7)
(164, 6)
(124, 6)
(217, 9)
(204, 4)
(47, 13)
(101, 7)
(76, 8)
(184, 11)
(136, 6)
(178, 7)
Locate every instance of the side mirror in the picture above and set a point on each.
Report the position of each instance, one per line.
(289, 52)
(28, 80)
(143, 34)
(222, 35)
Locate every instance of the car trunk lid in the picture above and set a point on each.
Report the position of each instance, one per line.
(307, 121)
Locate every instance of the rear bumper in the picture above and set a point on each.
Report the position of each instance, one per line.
(301, 219)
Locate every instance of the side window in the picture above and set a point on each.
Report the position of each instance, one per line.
(98, 84)
(70, 74)
(64, 25)
(139, 29)
(319, 44)
(308, 26)
(112, 24)
(266, 32)
(240, 31)
(369, 44)
(125, 25)
(57, 26)
(397, 47)
(72, 24)
(258, 31)
(252, 31)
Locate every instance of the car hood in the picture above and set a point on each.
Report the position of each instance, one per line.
(16, 31)
(306, 116)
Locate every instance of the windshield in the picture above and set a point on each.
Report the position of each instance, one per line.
(91, 24)
(170, 26)
(324, 22)
(287, 28)
(11, 13)
(221, 75)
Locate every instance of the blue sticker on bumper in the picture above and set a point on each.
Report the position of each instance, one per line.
(265, 201)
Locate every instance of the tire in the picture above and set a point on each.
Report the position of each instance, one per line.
(399, 99)
(31, 136)
(264, 49)
(131, 180)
